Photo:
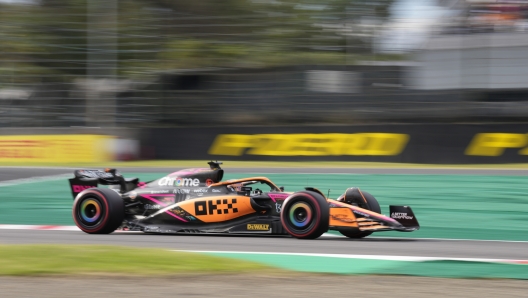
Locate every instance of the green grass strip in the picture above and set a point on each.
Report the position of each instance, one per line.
(26, 260)
(268, 164)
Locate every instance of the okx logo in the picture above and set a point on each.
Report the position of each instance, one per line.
(219, 206)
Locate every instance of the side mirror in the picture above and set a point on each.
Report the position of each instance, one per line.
(281, 188)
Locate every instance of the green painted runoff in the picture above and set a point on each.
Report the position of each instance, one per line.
(443, 268)
(447, 206)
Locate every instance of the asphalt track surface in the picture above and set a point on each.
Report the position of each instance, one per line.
(246, 243)
(328, 244)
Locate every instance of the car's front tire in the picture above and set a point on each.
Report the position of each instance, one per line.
(372, 205)
(305, 215)
(98, 211)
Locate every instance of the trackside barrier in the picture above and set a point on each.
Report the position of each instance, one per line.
(55, 148)
(407, 143)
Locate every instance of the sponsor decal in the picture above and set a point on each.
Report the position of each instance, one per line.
(179, 211)
(216, 190)
(160, 191)
(153, 207)
(219, 206)
(167, 200)
(79, 188)
(278, 207)
(177, 181)
(278, 196)
(182, 191)
(401, 215)
(494, 144)
(325, 144)
(160, 199)
(202, 190)
(342, 217)
(258, 227)
(95, 174)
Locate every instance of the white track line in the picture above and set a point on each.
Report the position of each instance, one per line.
(39, 227)
(39, 168)
(47, 228)
(74, 228)
(367, 257)
(35, 179)
(451, 239)
(345, 256)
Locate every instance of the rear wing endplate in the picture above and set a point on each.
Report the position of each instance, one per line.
(405, 216)
(85, 179)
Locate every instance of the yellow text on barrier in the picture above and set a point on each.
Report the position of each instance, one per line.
(494, 144)
(325, 144)
(55, 148)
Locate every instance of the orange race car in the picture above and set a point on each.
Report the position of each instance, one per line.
(198, 201)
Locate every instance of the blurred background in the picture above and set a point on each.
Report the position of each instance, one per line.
(137, 65)
(259, 83)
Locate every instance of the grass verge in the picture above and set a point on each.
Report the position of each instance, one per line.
(269, 164)
(28, 260)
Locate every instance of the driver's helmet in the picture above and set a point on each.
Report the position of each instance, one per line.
(235, 187)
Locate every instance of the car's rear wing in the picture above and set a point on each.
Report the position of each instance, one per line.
(91, 178)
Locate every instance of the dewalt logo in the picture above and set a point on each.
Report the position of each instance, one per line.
(258, 227)
(494, 144)
(325, 144)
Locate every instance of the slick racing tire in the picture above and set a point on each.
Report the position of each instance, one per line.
(305, 215)
(98, 211)
(373, 205)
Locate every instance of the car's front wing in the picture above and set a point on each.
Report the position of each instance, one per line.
(343, 215)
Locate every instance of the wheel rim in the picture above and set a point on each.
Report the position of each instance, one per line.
(301, 215)
(90, 212)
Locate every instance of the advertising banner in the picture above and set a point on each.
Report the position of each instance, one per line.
(408, 143)
(55, 148)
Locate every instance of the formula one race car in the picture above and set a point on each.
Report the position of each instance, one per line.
(197, 201)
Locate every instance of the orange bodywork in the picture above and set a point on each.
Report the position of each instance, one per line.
(218, 208)
(342, 217)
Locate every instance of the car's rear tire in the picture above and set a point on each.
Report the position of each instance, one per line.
(372, 205)
(305, 215)
(98, 211)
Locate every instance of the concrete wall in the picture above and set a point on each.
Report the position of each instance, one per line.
(478, 61)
